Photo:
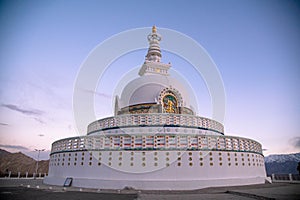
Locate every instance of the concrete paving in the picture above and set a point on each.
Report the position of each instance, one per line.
(23, 193)
(35, 189)
(273, 191)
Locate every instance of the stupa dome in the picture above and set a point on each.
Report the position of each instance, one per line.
(147, 89)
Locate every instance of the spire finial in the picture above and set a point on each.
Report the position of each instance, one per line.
(154, 29)
(152, 64)
(154, 53)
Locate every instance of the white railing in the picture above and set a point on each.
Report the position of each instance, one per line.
(155, 119)
(145, 141)
(25, 175)
(290, 178)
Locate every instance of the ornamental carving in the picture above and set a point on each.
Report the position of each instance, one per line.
(170, 99)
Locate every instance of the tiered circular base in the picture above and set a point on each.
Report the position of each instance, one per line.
(156, 170)
(156, 152)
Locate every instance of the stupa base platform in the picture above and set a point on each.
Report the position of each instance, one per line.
(155, 184)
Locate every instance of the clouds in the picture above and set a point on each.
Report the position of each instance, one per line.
(3, 124)
(39, 120)
(14, 147)
(295, 142)
(30, 112)
(34, 113)
(97, 93)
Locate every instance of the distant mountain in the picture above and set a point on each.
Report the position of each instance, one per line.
(282, 163)
(18, 162)
(283, 158)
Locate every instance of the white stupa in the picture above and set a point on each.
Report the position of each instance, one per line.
(155, 141)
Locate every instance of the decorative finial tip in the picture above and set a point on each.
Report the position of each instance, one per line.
(154, 29)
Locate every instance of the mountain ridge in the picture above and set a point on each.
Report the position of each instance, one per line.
(283, 157)
(282, 163)
(19, 162)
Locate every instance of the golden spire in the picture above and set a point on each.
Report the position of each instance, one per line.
(154, 29)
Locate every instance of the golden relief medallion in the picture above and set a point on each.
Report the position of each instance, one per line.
(170, 103)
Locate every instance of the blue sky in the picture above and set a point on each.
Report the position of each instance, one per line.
(255, 45)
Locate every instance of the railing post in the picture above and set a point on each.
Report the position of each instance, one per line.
(40, 175)
(291, 177)
(33, 175)
(45, 174)
(273, 177)
(19, 174)
(9, 173)
(26, 175)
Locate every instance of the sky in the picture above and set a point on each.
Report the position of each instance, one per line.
(255, 45)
